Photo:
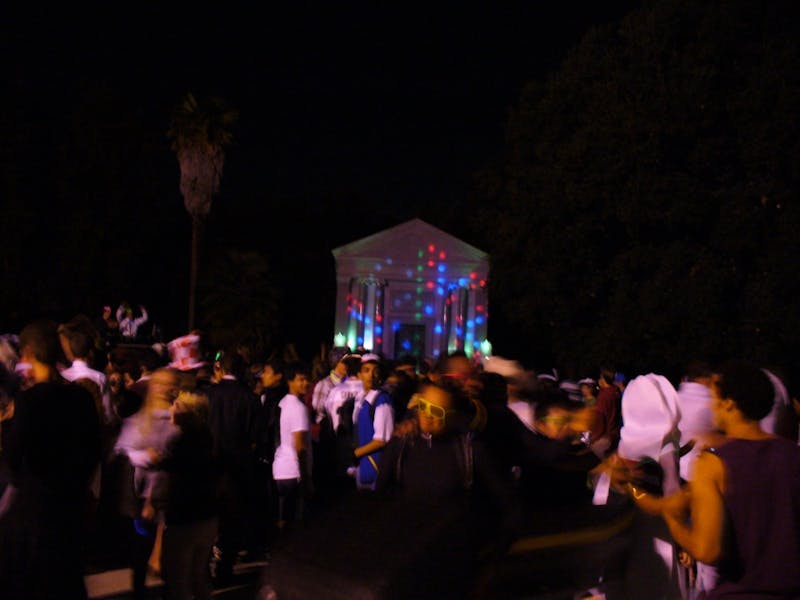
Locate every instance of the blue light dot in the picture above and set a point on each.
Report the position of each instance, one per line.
(440, 291)
(470, 324)
(442, 268)
(438, 329)
(378, 329)
(428, 310)
(396, 326)
(459, 331)
(476, 344)
(360, 340)
(406, 345)
(462, 281)
(378, 266)
(367, 321)
(388, 261)
(479, 320)
(409, 273)
(440, 280)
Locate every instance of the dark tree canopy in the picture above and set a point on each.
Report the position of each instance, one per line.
(646, 211)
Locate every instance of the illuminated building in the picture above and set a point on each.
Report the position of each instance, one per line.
(412, 289)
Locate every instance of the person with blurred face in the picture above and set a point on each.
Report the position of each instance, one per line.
(51, 456)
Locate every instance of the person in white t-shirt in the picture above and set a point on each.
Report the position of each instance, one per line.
(291, 467)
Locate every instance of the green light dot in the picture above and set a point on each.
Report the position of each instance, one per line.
(419, 289)
(419, 267)
(420, 254)
(418, 303)
(418, 316)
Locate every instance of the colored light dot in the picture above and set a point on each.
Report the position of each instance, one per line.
(470, 324)
(440, 291)
(438, 329)
(418, 303)
(476, 344)
(396, 326)
(428, 310)
(442, 268)
(473, 275)
(431, 248)
(378, 329)
(378, 266)
(420, 254)
(418, 316)
(430, 285)
(483, 283)
(459, 331)
(479, 308)
(431, 263)
(462, 281)
(419, 289)
(419, 280)
(419, 267)
(442, 255)
(440, 280)
(377, 340)
(479, 320)
(436, 352)
(407, 344)
(389, 261)
(367, 321)
(409, 273)
(379, 318)
(360, 341)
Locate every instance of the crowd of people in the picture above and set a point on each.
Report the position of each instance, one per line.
(198, 456)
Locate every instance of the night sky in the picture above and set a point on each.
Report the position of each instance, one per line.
(388, 111)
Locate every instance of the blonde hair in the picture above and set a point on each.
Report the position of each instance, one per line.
(194, 403)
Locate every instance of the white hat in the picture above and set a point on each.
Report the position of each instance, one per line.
(185, 353)
(649, 413)
(368, 357)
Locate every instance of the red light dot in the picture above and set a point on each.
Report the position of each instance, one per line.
(429, 285)
(479, 308)
(473, 275)
(377, 340)
(483, 283)
(379, 318)
(431, 248)
(430, 263)
(442, 255)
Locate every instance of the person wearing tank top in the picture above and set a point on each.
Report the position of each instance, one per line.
(741, 509)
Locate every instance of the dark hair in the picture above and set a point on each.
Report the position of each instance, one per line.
(150, 360)
(607, 375)
(461, 402)
(547, 399)
(232, 362)
(293, 369)
(697, 369)
(276, 365)
(353, 364)
(41, 339)
(494, 388)
(748, 386)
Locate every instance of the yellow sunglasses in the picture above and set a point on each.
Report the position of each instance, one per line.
(433, 411)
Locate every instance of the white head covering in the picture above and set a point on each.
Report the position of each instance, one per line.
(650, 413)
(781, 400)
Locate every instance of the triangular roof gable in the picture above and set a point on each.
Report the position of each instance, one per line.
(404, 241)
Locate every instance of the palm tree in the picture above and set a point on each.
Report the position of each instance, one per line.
(199, 134)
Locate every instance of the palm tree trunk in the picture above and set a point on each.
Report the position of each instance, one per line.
(197, 232)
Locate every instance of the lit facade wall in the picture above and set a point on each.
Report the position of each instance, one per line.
(412, 289)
